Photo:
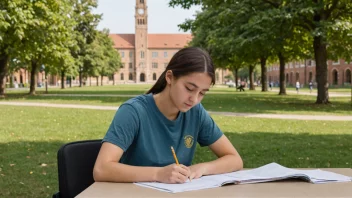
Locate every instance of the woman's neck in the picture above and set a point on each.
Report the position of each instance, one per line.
(165, 105)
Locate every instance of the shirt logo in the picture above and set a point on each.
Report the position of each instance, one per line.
(188, 141)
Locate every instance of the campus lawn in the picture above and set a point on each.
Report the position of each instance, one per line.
(30, 138)
(218, 99)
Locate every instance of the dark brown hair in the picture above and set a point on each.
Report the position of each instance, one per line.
(186, 61)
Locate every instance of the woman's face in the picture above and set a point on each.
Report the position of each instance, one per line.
(187, 91)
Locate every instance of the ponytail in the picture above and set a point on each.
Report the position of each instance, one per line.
(159, 86)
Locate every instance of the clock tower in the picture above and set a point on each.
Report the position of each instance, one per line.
(141, 41)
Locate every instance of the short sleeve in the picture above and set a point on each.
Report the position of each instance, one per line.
(123, 128)
(209, 131)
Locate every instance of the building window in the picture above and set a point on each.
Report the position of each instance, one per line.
(142, 54)
(165, 64)
(142, 77)
(165, 54)
(336, 62)
(122, 54)
(154, 65)
(130, 65)
(141, 1)
(154, 76)
(348, 78)
(111, 77)
(154, 54)
(131, 54)
(123, 65)
(121, 76)
(297, 64)
(130, 76)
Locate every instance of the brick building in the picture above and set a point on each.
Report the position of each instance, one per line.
(339, 72)
(145, 56)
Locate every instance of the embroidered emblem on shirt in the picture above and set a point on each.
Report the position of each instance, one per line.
(188, 141)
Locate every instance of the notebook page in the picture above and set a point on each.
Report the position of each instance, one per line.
(196, 184)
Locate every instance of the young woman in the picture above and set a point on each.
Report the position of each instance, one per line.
(137, 144)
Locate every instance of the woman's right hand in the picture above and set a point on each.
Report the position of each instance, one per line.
(173, 173)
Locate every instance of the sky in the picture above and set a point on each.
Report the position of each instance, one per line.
(118, 16)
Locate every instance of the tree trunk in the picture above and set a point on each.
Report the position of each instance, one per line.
(113, 79)
(4, 59)
(235, 74)
(282, 74)
(46, 82)
(90, 81)
(70, 81)
(101, 80)
(264, 79)
(63, 73)
(97, 80)
(251, 77)
(80, 77)
(320, 54)
(34, 68)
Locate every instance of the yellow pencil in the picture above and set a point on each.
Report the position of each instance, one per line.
(175, 157)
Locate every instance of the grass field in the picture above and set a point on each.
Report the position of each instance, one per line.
(31, 136)
(218, 99)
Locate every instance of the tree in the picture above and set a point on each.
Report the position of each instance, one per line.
(48, 39)
(15, 16)
(101, 58)
(84, 31)
(329, 22)
(34, 32)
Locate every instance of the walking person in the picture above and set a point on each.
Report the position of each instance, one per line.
(297, 86)
(310, 87)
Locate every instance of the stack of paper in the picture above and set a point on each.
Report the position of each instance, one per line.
(267, 173)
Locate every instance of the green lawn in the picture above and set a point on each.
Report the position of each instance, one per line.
(31, 136)
(219, 98)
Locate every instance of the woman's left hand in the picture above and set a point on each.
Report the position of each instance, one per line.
(197, 171)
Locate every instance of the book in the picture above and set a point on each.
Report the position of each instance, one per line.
(266, 173)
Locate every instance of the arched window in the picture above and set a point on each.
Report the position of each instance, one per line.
(141, 1)
(121, 75)
(142, 54)
(130, 76)
(310, 77)
(297, 76)
(348, 76)
(334, 77)
(154, 76)
(287, 79)
(142, 77)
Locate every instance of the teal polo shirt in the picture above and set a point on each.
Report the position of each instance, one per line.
(146, 135)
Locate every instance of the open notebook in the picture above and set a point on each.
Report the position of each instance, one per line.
(266, 173)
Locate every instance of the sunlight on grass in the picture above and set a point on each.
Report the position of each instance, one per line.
(30, 138)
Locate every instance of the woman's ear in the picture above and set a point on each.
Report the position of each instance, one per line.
(169, 76)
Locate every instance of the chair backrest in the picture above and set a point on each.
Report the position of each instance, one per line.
(75, 166)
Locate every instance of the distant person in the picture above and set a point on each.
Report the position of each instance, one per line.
(271, 85)
(137, 145)
(241, 87)
(297, 86)
(310, 86)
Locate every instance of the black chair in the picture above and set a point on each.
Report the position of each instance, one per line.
(75, 162)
